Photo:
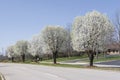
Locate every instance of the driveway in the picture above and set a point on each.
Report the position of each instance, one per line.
(38, 72)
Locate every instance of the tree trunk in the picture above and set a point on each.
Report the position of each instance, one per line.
(54, 57)
(12, 59)
(23, 58)
(104, 54)
(91, 59)
(37, 58)
(97, 55)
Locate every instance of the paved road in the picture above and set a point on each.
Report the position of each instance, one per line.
(116, 62)
(36, 72)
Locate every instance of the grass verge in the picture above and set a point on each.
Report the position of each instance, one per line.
(84, 58)
(109, 58)
(67, 58)
(76, 66)
(71, 66)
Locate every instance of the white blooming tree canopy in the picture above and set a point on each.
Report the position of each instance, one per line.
(90, 32)
(68, 42)
(21, 48)
(37, 46)
(54, 37)
(10, 51)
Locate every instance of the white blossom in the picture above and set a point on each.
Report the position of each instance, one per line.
(10, 51)
(21, 47)
(90, 31)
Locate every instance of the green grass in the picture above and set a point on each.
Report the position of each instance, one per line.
(84, 58)
(67, 58)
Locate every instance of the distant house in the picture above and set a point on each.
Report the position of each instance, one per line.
(113, 49)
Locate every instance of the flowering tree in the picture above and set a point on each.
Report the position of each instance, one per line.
(10, 52)
(117, 25)
(21, 48)
(89, 33)
(68, 42)
(54, 37)
(117, 29)
(37, 46)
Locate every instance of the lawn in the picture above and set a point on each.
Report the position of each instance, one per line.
(84, 58)
(67, 58)
(108, 58)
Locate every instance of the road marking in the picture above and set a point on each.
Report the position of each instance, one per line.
(55, 76)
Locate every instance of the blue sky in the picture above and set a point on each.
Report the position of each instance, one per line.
(21, 19)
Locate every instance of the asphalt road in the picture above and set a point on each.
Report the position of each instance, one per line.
(37, 72)
(116, 62)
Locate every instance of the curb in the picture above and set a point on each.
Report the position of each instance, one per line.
(2, 77)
